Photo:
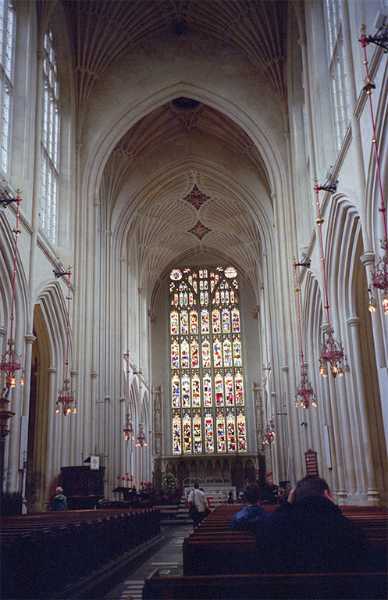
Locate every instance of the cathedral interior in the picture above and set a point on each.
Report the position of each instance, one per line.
(194, 251)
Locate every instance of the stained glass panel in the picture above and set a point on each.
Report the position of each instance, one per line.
(175, 355)
(187, 434)
(194, 355)
(241, 433)
(176, 392)
(225, 320)
(207, 390)
(207, 381)
(221, 441)
(185, 391)
(176, 435)
(197, 435)
(195, 392)
(227, 348)
(209, 433)
(185, 354)
(229, 390)
(174, 323)
(184, 322)
(216, 323)
(231, 432)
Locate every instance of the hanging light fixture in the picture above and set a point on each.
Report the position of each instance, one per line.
(332, 357)
(379, 274)
(128, 429)
(10, 361)
(305, 396)
(141, 441)
(270, 434)
(66, 400)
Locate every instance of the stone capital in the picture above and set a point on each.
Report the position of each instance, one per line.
(368, 258)
(353, 321)
(29, 338)
(51, 370)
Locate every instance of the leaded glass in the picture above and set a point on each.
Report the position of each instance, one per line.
(195, 392)
(207, 381)
(194, 354)
(50, 141)
(176, 391)
(197, 435)
(174, 323)
(187, 446)
(176, 435)
(241, 433)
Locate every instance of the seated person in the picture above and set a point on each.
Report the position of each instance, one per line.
(59, 501)
(309, 533)
(268, 492)
(249, 516)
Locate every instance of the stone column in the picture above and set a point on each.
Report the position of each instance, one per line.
(354, 334)
(51, 442)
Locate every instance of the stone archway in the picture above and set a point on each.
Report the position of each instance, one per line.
(38, 422)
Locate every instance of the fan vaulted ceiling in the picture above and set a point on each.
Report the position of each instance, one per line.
(166, 226)
(191, 212)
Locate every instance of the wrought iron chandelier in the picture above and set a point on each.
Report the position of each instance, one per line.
(305, 395)
(66, 403)
(10, 361)
(270, 434)
(141, 441)
(379, 275)
(128, 429)
(332, 356)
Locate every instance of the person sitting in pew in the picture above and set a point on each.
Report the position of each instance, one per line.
(59, 501)
(309, 533)
(249, 516)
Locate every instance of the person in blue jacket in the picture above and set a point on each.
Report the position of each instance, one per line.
(252, 514)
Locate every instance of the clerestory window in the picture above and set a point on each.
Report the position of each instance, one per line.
(50, 141)
(337, 69)
(206, 365)
(7, 55)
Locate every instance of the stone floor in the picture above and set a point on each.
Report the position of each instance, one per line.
(167, 557)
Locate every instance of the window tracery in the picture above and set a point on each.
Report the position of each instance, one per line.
(207, 382)
(50, 141)
(7, 53)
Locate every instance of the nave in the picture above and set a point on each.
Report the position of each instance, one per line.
(168, 558)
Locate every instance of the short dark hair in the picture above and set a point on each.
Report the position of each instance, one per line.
(310, 486)
(252, 494)
(196, 484)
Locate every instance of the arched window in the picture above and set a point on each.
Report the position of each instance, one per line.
(50, 141)
(7, 52)
(337, 69)
(207, 381)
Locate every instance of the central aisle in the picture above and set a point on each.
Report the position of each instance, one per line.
(168, 557)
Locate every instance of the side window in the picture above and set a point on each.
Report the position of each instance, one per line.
(337, 69)
(50, 141)
(7, 54)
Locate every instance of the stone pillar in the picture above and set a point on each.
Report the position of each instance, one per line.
(354, 334)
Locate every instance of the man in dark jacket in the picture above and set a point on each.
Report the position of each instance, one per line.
(309, 533)
(249, 516)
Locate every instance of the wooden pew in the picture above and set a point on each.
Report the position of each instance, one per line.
(306, 586)
(41, 554)
(213, 548)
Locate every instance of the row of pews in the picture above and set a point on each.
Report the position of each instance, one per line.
(222, 563)
(44, 553)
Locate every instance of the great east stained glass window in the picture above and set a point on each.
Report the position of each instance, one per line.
(207, 379)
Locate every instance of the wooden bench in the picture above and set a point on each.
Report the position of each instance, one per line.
(213, 548)
(41, 554)
(306, 586)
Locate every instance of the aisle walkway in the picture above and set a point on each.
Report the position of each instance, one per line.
(168, 557)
